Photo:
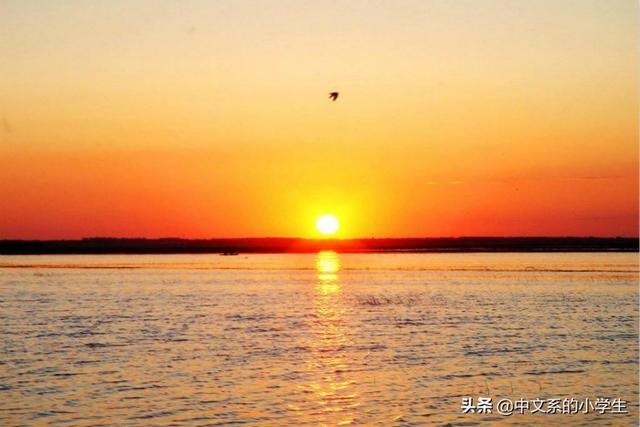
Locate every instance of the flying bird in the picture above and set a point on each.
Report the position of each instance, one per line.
(333, 95)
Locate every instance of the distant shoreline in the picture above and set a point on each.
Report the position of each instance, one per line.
(298, 245)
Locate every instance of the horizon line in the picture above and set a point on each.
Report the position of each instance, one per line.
(79, 239)
(102, 245)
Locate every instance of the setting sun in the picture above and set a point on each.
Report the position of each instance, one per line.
(327, 224)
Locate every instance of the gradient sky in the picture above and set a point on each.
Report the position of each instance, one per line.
(211, 118)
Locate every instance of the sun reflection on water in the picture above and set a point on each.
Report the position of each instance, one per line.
(334, 398)
(328, 266)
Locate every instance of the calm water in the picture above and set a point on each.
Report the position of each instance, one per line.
(318, 339)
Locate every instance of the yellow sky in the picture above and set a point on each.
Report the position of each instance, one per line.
(203, 119)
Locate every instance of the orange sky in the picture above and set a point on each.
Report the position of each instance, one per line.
(211, 119)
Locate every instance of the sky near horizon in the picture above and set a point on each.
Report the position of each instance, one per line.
(211, 119)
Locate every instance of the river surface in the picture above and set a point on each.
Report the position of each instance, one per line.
(318, 339)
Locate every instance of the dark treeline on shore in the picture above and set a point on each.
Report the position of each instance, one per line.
(296, 245)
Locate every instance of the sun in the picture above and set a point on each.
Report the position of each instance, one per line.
(327, 224)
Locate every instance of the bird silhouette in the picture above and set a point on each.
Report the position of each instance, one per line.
(333, 95)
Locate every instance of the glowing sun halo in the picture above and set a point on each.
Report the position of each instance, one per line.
(327, 224)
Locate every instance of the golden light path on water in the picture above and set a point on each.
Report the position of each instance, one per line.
(334, 400)
(334, 390)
